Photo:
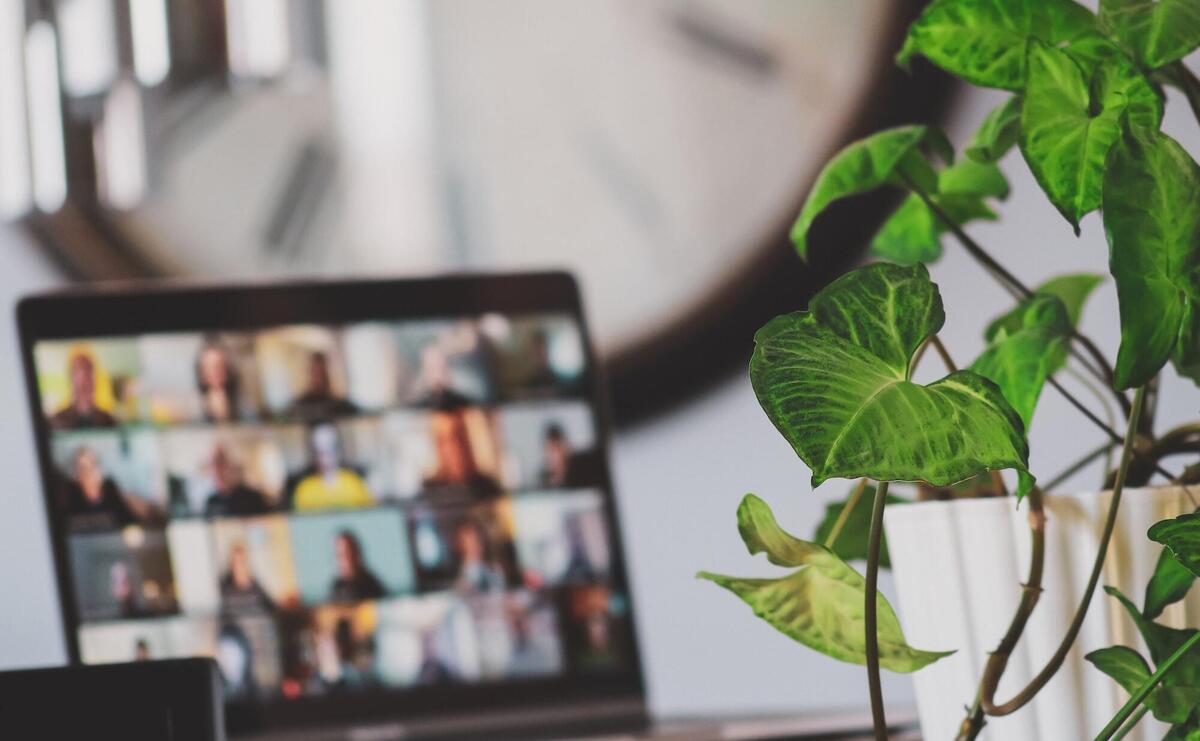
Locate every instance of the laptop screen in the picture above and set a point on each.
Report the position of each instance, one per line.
(337, 509)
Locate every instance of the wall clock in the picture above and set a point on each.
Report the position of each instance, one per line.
(657, 148)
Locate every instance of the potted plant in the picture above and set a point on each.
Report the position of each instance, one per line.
(837, 381)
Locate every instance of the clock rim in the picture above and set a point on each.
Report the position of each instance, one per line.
(704, 343)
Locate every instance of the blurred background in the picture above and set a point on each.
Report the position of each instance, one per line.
(656, 148)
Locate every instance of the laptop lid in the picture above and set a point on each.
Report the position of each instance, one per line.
(379, 505)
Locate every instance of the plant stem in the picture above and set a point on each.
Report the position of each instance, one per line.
(1076, 467)
(943, 353)
(1146, 688)
(997, 662)
(869, 613)
(1137, 718)
(1112, 434)
(844, 515)
(1031, 591)
(1018, 289)
(1188, 84)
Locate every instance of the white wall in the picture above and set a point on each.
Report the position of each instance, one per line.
(679, 481)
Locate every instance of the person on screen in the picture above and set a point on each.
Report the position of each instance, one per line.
(456, 465)
(434, 386)
(475, 574)
(579, 566)
(240, 591)
(329, 483)
(93, 500)
(433, 670)
(141, 650)
(120, 588)
(318, 401)
(217, 381)
(541, 373)
(232, 496)
(235, 658)
(81, 409)
(355, 581)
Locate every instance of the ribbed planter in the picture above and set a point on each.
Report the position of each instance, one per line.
(958, 566)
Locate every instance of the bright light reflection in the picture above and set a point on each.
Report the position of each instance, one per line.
(151, 40)
(45, 117)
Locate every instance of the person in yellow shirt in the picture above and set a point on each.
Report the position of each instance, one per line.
(332, 484)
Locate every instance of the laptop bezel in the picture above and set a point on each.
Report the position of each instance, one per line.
(122, 309)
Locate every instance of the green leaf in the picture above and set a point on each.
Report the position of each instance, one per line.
(1069, 122)
(1181, 536)
(998, 132)
(913, 233)
(1073, 290)
(851, 543)
(821, 604)
(1020, 362)
(1162, 642)
(971, 178)
(835, 382)
(1169, 584)
(1130, 670)
(1187, 350)
(885, 158)
(1152, 220)
(1158, 32)
(1123, 664)
(985, 41)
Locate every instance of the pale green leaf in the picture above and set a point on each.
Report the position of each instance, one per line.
(985, 41)
(886, 158)
(851, 543)
(835, 381)
(1170, 583)
(1157, 32)
(1070, 121)
(821, 604)
(1152, 220)
(1072, 289)
(1019, 362)
(998, 132)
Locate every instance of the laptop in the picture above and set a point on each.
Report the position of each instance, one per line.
(383, 507)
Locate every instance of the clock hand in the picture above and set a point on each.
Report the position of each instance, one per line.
(718, 37)
(305, 186)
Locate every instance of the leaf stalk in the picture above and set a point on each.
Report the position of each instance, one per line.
(998, 660)
(869, 613)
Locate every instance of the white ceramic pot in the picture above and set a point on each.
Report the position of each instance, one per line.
(958, 566)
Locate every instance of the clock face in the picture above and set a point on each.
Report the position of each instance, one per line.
(651, 147)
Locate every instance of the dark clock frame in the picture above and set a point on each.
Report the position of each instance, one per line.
(655, 374)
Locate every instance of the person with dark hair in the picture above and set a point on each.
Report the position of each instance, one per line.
(318, 400)
(217, 381)
(562, 465)
(232, 497)
(93, 501)
(81, 409)
(475, 573)
(328, 483)
(122, 590)
(240, 591)
(456, 464)
(141, 650)
(354, 581)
